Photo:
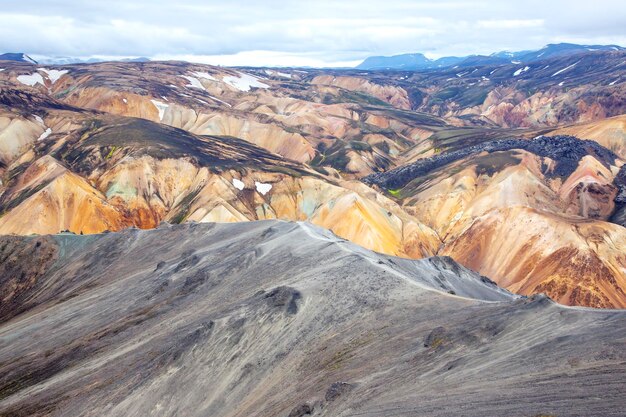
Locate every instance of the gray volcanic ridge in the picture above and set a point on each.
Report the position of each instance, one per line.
(276, 318)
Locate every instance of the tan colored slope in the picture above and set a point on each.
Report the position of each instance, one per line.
(144, 191)
(175, 190)
(528, 232)
(346, 212)
(507, 106)
(291, 145)
(574, 262)
(393, 95)
(610, 133)
(199, 121)
(62, 201)
(286, 115)
(115, 102)
(589, 191)
(466, 194)
(16, 135)
(266, 118)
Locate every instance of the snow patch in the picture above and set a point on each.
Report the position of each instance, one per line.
(561, 83)
(31, 79)
(613, 83)
(204, 75)
(262, 188)
(125, 101)
(2, 69)
(521, 70)
(244, 82)
(278, 73)
(565, 69)
(221, 101)
(45, 134)
(161, 107)
(39, 120)
(193, 82)
(53, 75)
(238, 184)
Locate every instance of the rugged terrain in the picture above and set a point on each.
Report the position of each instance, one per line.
(236, 320)
(475, 162)
(534, 214)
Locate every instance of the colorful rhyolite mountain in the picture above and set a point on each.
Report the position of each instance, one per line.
(405, 163)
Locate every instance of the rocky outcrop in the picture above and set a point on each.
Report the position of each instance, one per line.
(565, 151)
(619, 215)
(610, 133)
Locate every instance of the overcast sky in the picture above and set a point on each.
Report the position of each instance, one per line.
(300, 33)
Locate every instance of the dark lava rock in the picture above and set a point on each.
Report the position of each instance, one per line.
(21, 282)
(186, 263)
(435, 338)
(193, 281)
(337, 389)
(284, 297)
(619, 215)
(301, 410)
(620, 183)
(565, 150)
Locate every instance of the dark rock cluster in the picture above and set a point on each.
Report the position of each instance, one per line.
(565, 150)
(619, 215)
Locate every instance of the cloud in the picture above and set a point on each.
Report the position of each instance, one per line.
(510, 23)
(323, 32)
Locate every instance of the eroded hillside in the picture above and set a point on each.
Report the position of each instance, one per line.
(474, 163)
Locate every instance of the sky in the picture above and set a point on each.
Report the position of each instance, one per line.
(300, 33)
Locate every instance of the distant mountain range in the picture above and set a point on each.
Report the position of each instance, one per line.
(403, 62)
(17, 56)
(62, 60)
(67, 60)
(417, 61)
